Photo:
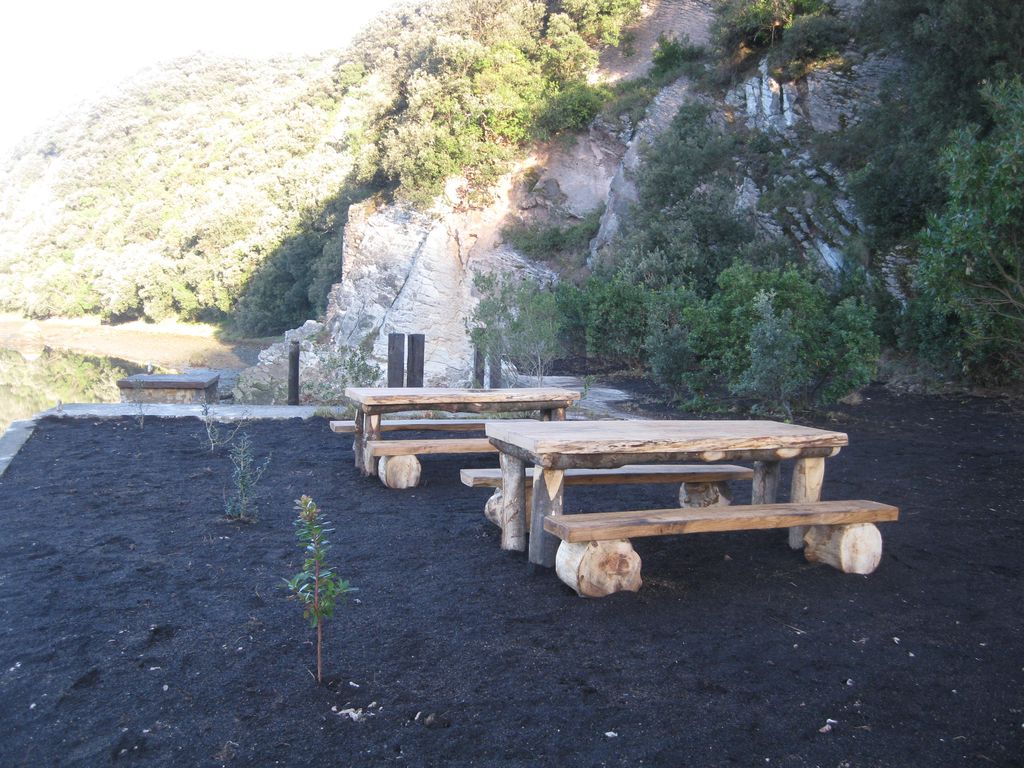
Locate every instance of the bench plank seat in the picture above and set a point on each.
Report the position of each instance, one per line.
(438, 445)
(391, 425)
(636, 473)
(604, 526)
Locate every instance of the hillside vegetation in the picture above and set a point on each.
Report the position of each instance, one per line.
(716, 307)
(216, 189)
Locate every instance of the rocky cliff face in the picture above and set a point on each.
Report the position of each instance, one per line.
(411, 272)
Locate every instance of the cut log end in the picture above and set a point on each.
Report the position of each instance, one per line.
(599, 568)
(705, 495)
(399, 472)
(850, 548)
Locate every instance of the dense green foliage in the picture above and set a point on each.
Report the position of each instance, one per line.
(920, 152)
(693, 293)
(216, 189)
(972, 255)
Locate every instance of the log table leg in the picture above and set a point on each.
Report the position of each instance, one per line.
(765, 486)
(371, 431)
(547, 500)
(513, 503)
(357, 441)
(808, 475)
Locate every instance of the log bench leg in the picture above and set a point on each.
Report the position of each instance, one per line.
(599, 568)
(492, 509)
(705, 495)
(850, 548)
(808, 475)
(399, 472)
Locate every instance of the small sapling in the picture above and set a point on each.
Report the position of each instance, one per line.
(246, 474)
(317, 587)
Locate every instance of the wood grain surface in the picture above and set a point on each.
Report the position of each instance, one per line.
(600, 526)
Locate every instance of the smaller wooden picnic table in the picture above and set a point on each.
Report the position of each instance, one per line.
(372, 402)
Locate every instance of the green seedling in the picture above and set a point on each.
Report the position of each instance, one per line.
(246, 475)
(317, 587)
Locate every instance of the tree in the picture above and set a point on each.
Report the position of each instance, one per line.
(972, 254)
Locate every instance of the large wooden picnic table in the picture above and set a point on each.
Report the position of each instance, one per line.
(553, 447)
(372, 402)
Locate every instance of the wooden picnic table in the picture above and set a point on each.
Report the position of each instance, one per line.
(554, 447)
(372, 402)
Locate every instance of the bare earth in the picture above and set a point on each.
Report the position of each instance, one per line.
(139, 627)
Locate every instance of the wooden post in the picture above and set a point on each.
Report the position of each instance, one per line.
(414, 373)
(396, 359)
(808, 475)
(293, 373)
(478, 368)
(513, 502)
(547, 500)
(494, 364)
(766, 482)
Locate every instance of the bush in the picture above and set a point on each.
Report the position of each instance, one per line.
(971, 262)
(726, 341)
(570, 109)
(672, 56)
(807, 39)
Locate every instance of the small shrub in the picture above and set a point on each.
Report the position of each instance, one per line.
(808, 39)
(572, 108)
(316, 586)
(672, 56)
(217, 435)
(246, 475)
(776, 373)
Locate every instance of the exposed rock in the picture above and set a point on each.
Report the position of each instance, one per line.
(405, 272)
(623, 191)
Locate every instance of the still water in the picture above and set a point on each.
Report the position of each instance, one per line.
(34, 381)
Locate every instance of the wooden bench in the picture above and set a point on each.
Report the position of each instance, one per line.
(399, 467)
(596, 558)
(393, 425)
(701, 484)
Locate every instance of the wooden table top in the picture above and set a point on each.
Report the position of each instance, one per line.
(425, 397)
(633, 437)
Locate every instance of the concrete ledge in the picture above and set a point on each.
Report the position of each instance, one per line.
(19, 432)
(175, 411)
(17, 435)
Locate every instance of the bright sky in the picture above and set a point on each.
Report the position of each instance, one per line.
(57, 53)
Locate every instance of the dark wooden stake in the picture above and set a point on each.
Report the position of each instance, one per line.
(293, 373)
(414, 371)
(478, 368)
(495, 365)
(396, 359)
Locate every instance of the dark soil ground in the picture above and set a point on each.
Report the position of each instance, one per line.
(141, 627)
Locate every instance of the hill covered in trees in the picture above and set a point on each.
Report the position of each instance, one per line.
(215, 189)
